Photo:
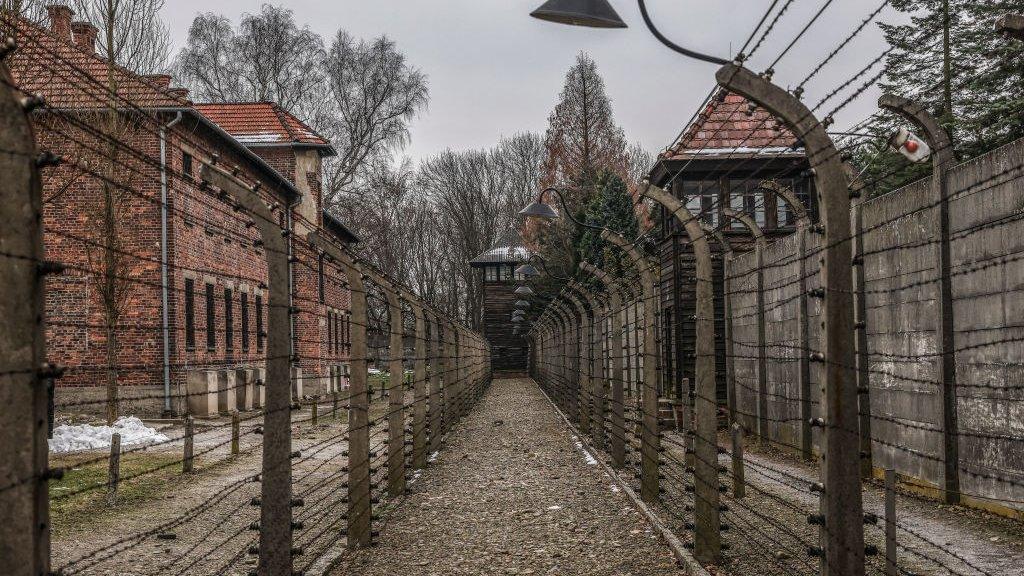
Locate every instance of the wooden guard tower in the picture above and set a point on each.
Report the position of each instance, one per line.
(497, 267)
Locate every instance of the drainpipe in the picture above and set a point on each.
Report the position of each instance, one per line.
(164, 306)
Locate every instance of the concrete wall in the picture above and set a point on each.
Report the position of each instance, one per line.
(901, 239)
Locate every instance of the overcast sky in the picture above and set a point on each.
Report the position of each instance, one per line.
(495, 71)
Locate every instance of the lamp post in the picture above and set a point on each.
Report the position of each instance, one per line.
(600, 14)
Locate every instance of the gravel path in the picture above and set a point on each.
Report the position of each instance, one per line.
(511, 493)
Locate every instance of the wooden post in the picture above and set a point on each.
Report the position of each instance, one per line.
(275, 545)
(25, 532)
(843, 542)
(359, 505)
(891, 568)
(650, 441)
(186, 459)
(707, 536)
(942, 160)
(235, 425)
(334, 405)
(739, 487)
(314, 411)
(114, 469)
(419, 411)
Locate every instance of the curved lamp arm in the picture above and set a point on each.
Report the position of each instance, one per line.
(672, 45)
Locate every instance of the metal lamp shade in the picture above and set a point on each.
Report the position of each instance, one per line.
(590, 13)
(524, 291)
(539, 210)
(527, 270)
(521, 304)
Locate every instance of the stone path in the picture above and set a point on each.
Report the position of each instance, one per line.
(512, 493)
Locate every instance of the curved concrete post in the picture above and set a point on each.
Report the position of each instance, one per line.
(617, 400)
(650, 441)
(275, 547)
(359, 505)
(437, 367)
(760, 243)
(24, 489)
(842, 505)
(707, 535)
(942, 160)
(396, 393)
(419, 411)
(597, 389)
(583, 359)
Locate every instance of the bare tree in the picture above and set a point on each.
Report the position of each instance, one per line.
(374, 95)
(268, 57)
(136, 37)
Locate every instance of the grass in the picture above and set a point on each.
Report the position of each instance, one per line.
(81, 495)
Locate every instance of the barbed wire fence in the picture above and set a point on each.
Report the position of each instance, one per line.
(823, 330)
(295, 440)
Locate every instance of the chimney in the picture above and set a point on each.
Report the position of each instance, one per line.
(181, 93)
(60, 20)
(85, 36)
(161, 81)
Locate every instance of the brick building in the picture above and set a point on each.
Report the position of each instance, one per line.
(724, 160)
(183, 252)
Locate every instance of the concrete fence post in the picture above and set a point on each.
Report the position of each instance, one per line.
(396, 394)
(24, 497)
(942, 160)
(650, 441)
(419, 412)
(707, 535)
(436, 407)
(275, 544)
(803, 222)
(582, 346)
(760, 244)
(359, 506)
(842, 506)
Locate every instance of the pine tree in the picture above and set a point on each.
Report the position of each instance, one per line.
(974, 83)
(611, 207)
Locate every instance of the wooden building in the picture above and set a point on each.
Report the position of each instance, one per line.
(729, 158)
(497, 268)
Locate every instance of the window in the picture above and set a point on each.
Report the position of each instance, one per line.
(506, 272)
(491, 274)
(229, 320)
(320, 277)
(186, 165)
(190, 314)
(259, 323)
(338, 327)
(245, 321)
(211, 318)
(702, 199)
(330, 331)
(348, 330)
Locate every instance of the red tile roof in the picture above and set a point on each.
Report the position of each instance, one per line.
(69, 76)
(261, 123)
(727, 128)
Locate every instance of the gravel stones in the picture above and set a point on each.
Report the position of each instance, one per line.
(513, 498)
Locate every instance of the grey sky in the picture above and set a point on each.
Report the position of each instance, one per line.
(495, 71)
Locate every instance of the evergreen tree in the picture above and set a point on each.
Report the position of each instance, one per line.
(611, 207)
(974, 82)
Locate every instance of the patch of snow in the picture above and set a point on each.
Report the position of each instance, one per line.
(433, 457)
(259, 138)
(586, 455)
(555, 507)
(373, 371)
(614, 488)
(72, 438)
